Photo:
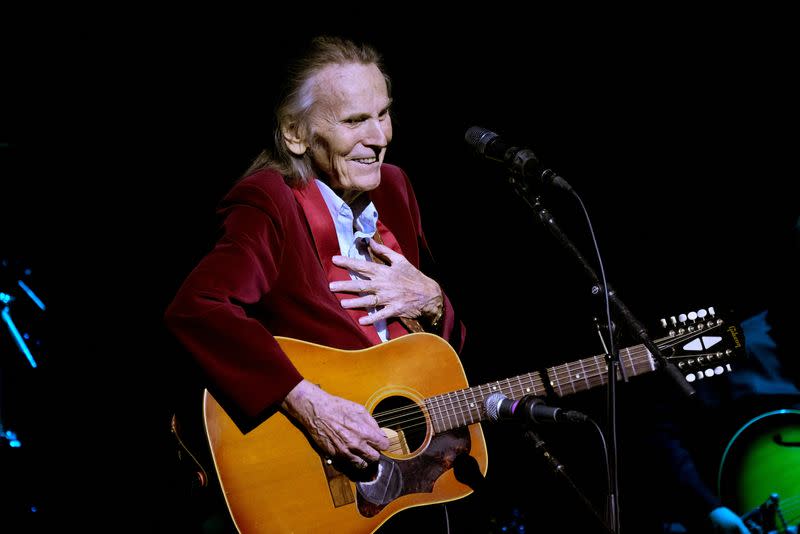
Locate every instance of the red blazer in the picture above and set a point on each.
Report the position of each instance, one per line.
(268, 276)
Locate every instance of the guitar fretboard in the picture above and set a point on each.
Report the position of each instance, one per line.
(466, 406)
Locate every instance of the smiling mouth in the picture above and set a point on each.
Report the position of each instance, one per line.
(365, 161)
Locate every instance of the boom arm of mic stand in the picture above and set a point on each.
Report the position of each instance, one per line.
(633, 324)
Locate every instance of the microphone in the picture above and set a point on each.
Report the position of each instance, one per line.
(528, 408)
(521, 161)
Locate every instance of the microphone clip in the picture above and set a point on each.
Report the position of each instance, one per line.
(533, 409)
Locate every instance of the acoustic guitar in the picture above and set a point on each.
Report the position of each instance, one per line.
(273, 479)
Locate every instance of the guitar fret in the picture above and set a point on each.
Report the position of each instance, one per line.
(485, 394)
(429, 410)
(637, 368)
(602, 372)
(439, 417)
(643, 357)
(459, 407)
(647, 364)
(429, 403)
(444, 415)
(440, 413)
(571, 381)
(448, 408)
(583, 374)
(453, 398)
(524, 383)
(455, 404)
(467, 406)
(479, 404)
(646, 360)
(521, 387)
(555, 381)
(443, 412)
(461, 410)
(450, 412)
(633, 365)
(650, 360)
(523, 380)
(458, 410)
(446, 424)
(472, 405)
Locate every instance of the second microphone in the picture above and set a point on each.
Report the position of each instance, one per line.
(528, 409)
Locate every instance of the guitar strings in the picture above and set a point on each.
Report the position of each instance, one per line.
(408, 419)
(536, 383)
(558, 375)
(448, 405)
(451, 406)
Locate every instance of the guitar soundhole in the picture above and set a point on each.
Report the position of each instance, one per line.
(405, 421)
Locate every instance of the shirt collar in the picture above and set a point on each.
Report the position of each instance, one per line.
(363, 226)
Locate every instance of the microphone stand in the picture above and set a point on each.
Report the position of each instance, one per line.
(523, 189)
(558, 469)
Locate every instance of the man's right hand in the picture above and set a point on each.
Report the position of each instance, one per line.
(342, 429)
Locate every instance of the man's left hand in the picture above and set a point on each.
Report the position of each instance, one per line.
(397, 288)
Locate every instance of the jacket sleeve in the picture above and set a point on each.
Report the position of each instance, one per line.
(208, 314)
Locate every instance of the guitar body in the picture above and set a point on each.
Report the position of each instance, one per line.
(762, 459)
(274, 480)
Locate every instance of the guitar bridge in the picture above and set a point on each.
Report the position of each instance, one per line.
(339, 485)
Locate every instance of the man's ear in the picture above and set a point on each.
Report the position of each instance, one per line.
(294, 142)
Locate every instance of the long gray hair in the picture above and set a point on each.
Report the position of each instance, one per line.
(297, 103)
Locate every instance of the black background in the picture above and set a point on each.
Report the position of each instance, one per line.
(677, 131)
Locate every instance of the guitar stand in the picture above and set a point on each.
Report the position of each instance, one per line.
(559, 469)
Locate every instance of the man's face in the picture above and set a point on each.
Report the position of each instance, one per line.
(350, 127)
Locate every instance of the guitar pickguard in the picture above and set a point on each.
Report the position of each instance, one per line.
(415, 475)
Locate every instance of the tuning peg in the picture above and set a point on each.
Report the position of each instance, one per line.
(711, 311)
(682, 318)
(701, 314)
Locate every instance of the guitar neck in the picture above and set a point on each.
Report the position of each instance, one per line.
(465, 406)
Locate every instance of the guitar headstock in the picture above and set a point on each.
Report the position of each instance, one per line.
(701, 344)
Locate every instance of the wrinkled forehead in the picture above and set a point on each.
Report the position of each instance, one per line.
(349, 88)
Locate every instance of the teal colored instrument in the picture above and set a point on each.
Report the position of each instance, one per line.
(759, 475)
